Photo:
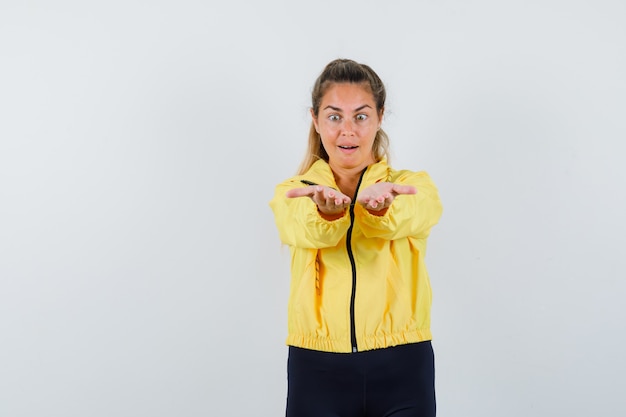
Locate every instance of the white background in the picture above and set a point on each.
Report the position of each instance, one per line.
(140, 142)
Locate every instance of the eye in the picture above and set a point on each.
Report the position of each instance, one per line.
(361, 117)
(334, 117)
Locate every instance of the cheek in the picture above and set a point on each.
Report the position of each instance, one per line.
(369, 131)
(328, 132)
(325, 145)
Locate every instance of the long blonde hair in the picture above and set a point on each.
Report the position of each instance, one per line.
(345, 71)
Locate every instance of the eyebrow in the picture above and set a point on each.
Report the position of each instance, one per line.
(338, 109)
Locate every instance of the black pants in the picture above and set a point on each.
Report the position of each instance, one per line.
(397, 381)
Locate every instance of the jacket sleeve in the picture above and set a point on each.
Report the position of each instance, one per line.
(300, 224)
(409, 215)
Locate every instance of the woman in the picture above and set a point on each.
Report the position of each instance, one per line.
(359, 306)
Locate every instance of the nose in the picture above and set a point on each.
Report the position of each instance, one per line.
(348, 128)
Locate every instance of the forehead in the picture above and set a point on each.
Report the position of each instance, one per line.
(348, 94)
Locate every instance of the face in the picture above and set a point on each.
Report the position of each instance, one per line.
(347, 123)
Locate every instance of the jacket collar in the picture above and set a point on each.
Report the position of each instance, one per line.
(320, 173)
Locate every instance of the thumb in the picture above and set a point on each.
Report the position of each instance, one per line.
(404, 189)
(298, 192)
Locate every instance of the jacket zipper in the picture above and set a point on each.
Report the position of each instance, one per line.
(353, 264)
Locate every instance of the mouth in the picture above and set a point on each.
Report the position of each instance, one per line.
(347, 147)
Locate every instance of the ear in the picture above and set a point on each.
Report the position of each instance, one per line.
(314, 118)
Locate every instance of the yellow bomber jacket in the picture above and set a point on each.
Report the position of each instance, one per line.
(358, 282)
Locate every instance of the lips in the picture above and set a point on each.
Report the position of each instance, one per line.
(348, 149)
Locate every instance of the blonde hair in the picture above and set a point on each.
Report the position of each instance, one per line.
(345, 71)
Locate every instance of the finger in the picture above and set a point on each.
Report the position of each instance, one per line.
(327, 198)
(318, 195)
(364, 201)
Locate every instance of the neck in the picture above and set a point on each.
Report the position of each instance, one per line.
(347, 174)
(347, 179)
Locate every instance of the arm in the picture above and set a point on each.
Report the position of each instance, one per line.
(405, 215)
(310, 216)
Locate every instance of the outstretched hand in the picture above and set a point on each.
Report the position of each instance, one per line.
(379, 196)
(328, 200)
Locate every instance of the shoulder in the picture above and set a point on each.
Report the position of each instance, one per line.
(318, 173)
(385, 172)
(419, 179)
(408, 177)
